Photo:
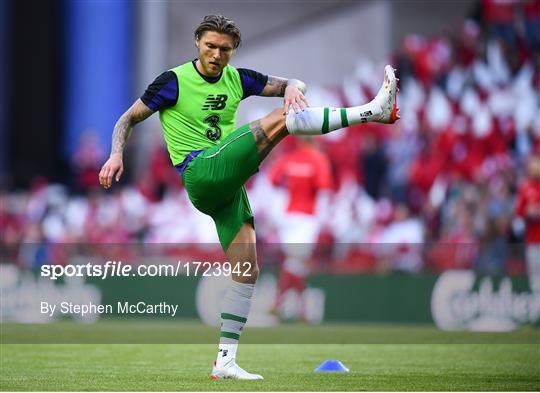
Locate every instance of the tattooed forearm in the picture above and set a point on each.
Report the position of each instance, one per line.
(282, 88)
(122, 130)
(276, 86)
(264, 144)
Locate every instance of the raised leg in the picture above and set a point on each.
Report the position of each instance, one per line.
(269, 131)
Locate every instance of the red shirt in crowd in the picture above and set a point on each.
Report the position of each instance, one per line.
(529, 199)
(498, 11)
(304, 172)
(531, 9)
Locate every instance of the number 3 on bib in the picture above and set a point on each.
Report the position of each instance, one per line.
(214, 131)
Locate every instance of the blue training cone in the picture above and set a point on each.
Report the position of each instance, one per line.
(331, 366)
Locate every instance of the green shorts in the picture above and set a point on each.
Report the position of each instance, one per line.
(214, 181)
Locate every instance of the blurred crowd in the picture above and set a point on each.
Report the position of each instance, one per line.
(435, 191)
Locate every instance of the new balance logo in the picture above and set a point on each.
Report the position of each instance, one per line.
(215, 102)
(224, 352)
(366, 113)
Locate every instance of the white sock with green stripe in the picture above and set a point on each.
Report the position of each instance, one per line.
(320, 120)
(234, 313)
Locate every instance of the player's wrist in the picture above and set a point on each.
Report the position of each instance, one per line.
(296, 84)
(292, 86)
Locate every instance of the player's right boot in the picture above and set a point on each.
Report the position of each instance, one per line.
(387, 97)
(231, 370)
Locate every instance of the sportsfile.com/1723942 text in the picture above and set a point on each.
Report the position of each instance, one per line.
(121, 269)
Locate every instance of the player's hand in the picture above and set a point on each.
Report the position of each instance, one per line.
(294, 98)
(114, 167)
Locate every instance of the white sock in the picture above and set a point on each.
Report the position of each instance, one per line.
(226, 353)
(234, 312)
(320, 120)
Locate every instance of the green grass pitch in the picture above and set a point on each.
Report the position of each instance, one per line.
(449, 365)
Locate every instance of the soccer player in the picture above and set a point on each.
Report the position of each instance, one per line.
(528, 208)
(306, 174)
(197, 104)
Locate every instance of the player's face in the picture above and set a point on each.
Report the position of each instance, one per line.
(215, 51)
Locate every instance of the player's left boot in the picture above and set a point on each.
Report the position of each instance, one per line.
(231, 370)
(387, 97)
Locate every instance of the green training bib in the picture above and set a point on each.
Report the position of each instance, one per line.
(205, 113)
